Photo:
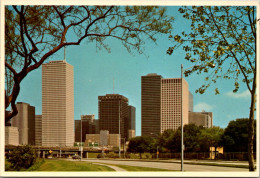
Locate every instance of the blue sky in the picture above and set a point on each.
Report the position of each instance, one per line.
(95, 70)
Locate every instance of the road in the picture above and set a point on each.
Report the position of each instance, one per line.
(170, 166)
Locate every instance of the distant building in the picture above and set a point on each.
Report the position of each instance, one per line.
(102, 139)
(204, 119)
(190, 102)
(57, 104)
(38, 130)
(161, 103)
(131, 122)
(11, 136)
(112, 109)
(89, 126)
(25, 122)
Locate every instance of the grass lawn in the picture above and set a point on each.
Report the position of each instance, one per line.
(63, 165)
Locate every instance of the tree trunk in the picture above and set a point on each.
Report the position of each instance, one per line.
(251, 132)
(140, 154)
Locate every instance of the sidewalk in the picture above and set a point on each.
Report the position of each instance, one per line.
(243, 164)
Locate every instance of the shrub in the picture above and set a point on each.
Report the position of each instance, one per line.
(22, 157)
(111, 155)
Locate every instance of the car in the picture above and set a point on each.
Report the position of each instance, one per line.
(75, 157)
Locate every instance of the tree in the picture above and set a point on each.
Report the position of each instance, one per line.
(222, 43)
(172, 140)
(210, 137)
(22, 157)
(235, 136)
(34, 33)
(140, 145)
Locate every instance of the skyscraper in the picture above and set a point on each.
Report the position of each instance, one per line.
(57, 104)
(113, 108)
(151, 104)
(38, 130)
(25, 122)
(161, 104)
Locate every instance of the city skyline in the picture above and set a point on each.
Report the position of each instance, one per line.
(99, 73)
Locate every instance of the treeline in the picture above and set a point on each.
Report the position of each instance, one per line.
(234, 138)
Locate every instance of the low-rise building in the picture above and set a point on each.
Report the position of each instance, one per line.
(203, 118)
(102, 139)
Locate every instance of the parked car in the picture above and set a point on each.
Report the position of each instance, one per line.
(75, 157)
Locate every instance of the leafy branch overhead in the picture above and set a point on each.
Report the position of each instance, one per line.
(221, 42)
(34, 33)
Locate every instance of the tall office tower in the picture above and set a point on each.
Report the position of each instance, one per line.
(38, 130)
(161, 104)
(89, 126)
(112, 108)
(151, 104)
(57, 104)
(203, 118)
(190, 102)
(25, 121)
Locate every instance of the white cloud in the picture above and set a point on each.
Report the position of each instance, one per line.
(203, 106)
(243, 95)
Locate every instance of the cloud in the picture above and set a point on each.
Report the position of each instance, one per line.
(203, 106)
(243, 95)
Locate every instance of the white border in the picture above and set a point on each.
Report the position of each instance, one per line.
(120, 174)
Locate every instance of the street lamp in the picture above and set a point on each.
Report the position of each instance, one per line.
(182, 141)
(119, 132)
(81, 140)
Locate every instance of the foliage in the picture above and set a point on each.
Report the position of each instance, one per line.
(111, 155)
(34, 33)
(171, 140)
(22, 157)
(235, 136)
(140, 145)
(222, 43)
(210, 137)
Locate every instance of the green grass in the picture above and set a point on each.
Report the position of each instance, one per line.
(62, 165)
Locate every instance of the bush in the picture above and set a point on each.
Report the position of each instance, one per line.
(111, 155)
(22, 157)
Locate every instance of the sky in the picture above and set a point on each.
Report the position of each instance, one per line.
(97, 73)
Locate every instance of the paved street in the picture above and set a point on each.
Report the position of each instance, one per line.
(170, 166)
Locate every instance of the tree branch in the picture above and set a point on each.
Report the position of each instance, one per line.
(240, 67)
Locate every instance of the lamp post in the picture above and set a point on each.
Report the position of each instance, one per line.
(182, 154)
(81, 140)
(119, 132)
(182, 140)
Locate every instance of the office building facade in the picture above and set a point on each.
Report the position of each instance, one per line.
(11, 136)
(25, 122)
(57, 104)
(204, 119)
(90, 125)
(114, 113)
(164, 102)
(38, 130)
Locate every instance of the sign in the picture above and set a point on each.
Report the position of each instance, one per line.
(157, 152)
(50, 151)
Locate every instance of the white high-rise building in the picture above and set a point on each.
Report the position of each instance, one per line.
(57, 104)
